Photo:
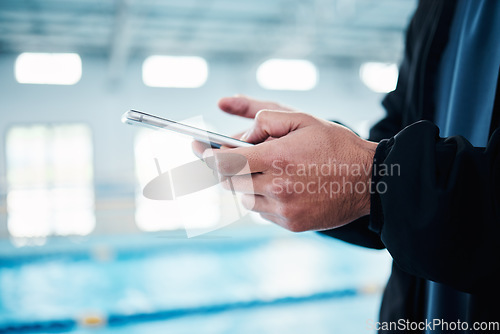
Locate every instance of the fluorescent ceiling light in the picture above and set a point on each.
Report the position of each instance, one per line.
(287, 74)
(48, 68)
(179, 72)
(379, 77)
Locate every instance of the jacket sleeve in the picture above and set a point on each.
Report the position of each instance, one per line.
(357, 233)
(437, 206)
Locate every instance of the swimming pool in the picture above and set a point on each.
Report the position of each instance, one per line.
(233, 281)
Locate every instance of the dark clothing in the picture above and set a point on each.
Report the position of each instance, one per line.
(465, 89)
(440, 215)
(464, 96)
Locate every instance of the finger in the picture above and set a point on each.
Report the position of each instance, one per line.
(257, 203)
(242, 136)
(238, 161)
(239, 134)
(247, 107)
(254, 184)
(199, 147)
(273, 123)
(274, 219)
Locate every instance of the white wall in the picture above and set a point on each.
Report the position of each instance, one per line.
(339, 95)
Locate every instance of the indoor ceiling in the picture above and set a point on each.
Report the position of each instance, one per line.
(222, 29)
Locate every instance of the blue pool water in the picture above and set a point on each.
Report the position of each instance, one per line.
(232, 281)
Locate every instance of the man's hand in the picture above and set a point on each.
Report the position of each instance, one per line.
(314, 175)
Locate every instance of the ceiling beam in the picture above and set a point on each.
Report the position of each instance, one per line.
(120, 43)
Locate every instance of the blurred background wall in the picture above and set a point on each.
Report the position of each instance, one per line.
(113, 38)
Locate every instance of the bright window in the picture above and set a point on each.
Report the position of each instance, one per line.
(48, 68)
(379, 77)
(178, 72)
(287, 74)
(49, 179)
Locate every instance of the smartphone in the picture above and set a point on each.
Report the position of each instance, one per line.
(216, 140)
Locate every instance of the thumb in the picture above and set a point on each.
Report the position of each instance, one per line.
(275, 124)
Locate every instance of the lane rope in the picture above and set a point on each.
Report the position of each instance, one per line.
(64, 325)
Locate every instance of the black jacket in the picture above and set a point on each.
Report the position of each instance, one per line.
(440, 218)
